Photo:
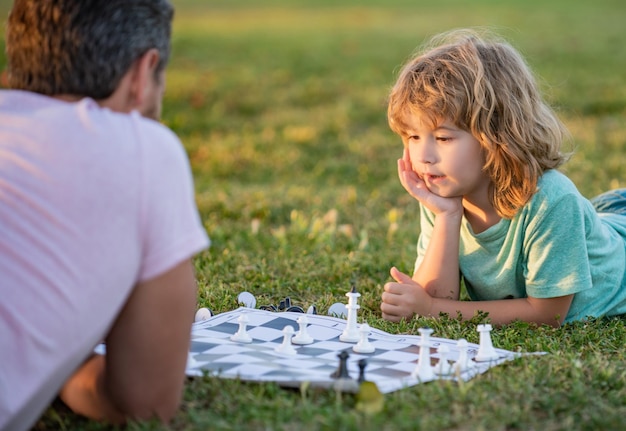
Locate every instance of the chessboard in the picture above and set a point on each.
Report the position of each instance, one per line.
(391, 366)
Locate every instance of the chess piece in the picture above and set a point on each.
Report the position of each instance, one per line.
(342, 370)
(286, 305)
(338, 310)
(364, 345)
(242, 336)
(463, 363)
(351, 333)
(302, 337)
(443, 367)
(362, 364)
(202, 314)
(286, 348)
(424, 371)
(486, 352)
(247, 300)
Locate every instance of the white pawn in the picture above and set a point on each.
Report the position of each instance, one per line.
(246, 299)
(463, 363)
(286, 348)
(486, 352)
(302, 337)
(443, 367)
(242, 336)
(364, 345)
(202, 314)
(338, 310)
(424, 371)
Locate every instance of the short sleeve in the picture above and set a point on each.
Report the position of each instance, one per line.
(557, 262)
(171, 230)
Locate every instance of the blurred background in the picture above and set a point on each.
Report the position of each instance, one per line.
(281, 105)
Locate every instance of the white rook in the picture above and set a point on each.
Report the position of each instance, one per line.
(424, 371)
(486, 352)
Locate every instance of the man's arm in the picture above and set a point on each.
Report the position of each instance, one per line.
(142, 374)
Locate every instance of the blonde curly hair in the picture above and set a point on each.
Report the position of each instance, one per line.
(486, 88)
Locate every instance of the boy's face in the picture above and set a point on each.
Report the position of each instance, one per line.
(449, 160)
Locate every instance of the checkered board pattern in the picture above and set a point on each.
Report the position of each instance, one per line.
(389, 366)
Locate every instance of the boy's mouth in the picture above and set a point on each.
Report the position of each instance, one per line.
(431, 177)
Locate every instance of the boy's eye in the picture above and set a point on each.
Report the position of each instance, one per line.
(443, 138)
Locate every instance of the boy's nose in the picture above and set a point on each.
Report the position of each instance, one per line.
(424, 152)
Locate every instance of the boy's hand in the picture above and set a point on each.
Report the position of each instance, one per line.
(404, 298)
(417, 188)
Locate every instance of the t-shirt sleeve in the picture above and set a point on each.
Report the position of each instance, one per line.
(557, 262)
(171, 230)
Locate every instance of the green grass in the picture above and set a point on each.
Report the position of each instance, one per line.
(281, 106)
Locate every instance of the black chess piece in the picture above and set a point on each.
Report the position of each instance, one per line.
(342, 370)
(362, 364)
(285, 305)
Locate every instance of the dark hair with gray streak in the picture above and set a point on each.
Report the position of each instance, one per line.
(83, 47)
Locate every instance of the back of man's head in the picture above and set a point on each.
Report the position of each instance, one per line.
(83, 47)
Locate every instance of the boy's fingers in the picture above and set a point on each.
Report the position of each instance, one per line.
(393, 289)
(401, 277)
(389, 312)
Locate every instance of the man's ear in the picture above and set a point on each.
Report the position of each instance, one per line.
(136, 88)
(143, 76)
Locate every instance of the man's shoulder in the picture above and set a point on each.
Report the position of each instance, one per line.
(130, 130)
(152, 129)
(87, 111)
(21, 100)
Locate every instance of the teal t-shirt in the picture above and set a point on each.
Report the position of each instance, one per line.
(555, 245)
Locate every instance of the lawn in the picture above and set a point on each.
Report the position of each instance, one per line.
(281, 106)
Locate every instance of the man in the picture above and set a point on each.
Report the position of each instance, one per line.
(98, 222)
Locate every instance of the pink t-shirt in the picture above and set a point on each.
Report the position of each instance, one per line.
(91, 202)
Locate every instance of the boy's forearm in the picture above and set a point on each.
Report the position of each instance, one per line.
(439, 271)
(551, 311)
